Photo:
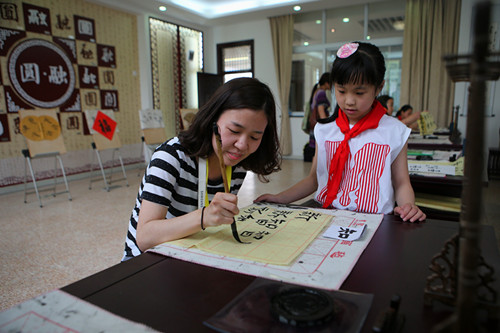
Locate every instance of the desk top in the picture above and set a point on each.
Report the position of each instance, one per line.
(173, 295)
(437, 142)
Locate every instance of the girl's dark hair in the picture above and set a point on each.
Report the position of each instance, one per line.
(240, 93)
(325, 78)
(383, 100)
(404, 108)
(366, 65)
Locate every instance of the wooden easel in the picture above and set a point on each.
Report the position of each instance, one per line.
(42, 132)
(101, 143)
(153, 132)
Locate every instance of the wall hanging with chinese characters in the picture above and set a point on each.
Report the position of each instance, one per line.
(66, 56)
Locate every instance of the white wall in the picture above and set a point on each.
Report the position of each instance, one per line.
(260, 32)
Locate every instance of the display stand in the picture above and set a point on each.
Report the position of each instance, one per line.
(153, 132)
(101, 144)
(460, 276)
(42, 132)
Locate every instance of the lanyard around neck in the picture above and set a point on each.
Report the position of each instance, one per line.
(203, 181)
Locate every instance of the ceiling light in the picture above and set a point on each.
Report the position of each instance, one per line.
(306, 43)
(345, 20)
(318, 21)
(332, 30)
(297, 8)
(162, 8)
(368, 37)
(399, 25)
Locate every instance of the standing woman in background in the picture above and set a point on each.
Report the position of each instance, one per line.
(319, 103)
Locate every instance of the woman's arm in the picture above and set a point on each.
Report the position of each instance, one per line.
(298, 191)
(322, 112)
(404, 195)
(154, 229)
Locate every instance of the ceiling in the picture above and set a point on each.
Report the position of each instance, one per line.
(216, 12)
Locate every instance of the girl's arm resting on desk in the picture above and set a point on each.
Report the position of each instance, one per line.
(154, 229)
(298, 191)
(405, 197)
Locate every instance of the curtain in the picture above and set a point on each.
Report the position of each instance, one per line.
(282, 37)
(431, 32)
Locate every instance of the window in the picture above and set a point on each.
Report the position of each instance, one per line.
(176, 58)
(318, 35)
(235, 59)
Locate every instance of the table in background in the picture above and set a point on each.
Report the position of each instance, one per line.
(433, 144)
(448, 186)
(177, 296)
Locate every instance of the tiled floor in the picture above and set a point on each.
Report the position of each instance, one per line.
(47, 248)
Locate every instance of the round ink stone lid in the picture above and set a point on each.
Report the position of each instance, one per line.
(302, 307)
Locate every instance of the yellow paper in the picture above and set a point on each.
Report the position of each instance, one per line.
(276, 235)
(426, 124)
(439, 202)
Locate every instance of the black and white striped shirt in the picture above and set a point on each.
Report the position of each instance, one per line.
(171, 180)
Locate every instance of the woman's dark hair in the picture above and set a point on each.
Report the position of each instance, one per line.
(404, 108)
(366, 65)
(383, 100)
(325, 78)
(240, 93)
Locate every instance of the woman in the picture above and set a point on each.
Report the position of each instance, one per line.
(168, 205)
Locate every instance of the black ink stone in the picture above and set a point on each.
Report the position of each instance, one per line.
(302, 307)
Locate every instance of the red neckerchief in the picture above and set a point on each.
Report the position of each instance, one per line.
(341, 155)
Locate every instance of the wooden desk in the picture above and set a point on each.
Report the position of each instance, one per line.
(440, 142)
(434, 146)
(448, 186)
(177, 296)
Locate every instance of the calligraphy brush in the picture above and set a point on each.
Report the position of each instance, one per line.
(224, 176)
(221, 158)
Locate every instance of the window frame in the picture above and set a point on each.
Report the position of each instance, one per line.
(220, 59)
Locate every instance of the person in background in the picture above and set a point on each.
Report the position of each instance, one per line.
(167, 207)
(319, 103)
(408, 117)
(360, 162)
(387, 102)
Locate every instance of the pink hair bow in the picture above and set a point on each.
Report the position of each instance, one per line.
(347, 49)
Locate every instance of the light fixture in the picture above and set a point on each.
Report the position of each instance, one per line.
(332, 30)
(162, 9)
(306, 43)
(345, 20)
(297, 8)
(318, 21)
(368, 37)
(399, 25)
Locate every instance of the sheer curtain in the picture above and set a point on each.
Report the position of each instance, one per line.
(431, 31)
(282, 36)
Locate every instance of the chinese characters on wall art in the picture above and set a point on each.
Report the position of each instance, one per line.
(50, 59)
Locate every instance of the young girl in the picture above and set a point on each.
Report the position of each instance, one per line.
(360, 162)
(387, 102)
(408, 117)
(168, 205)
